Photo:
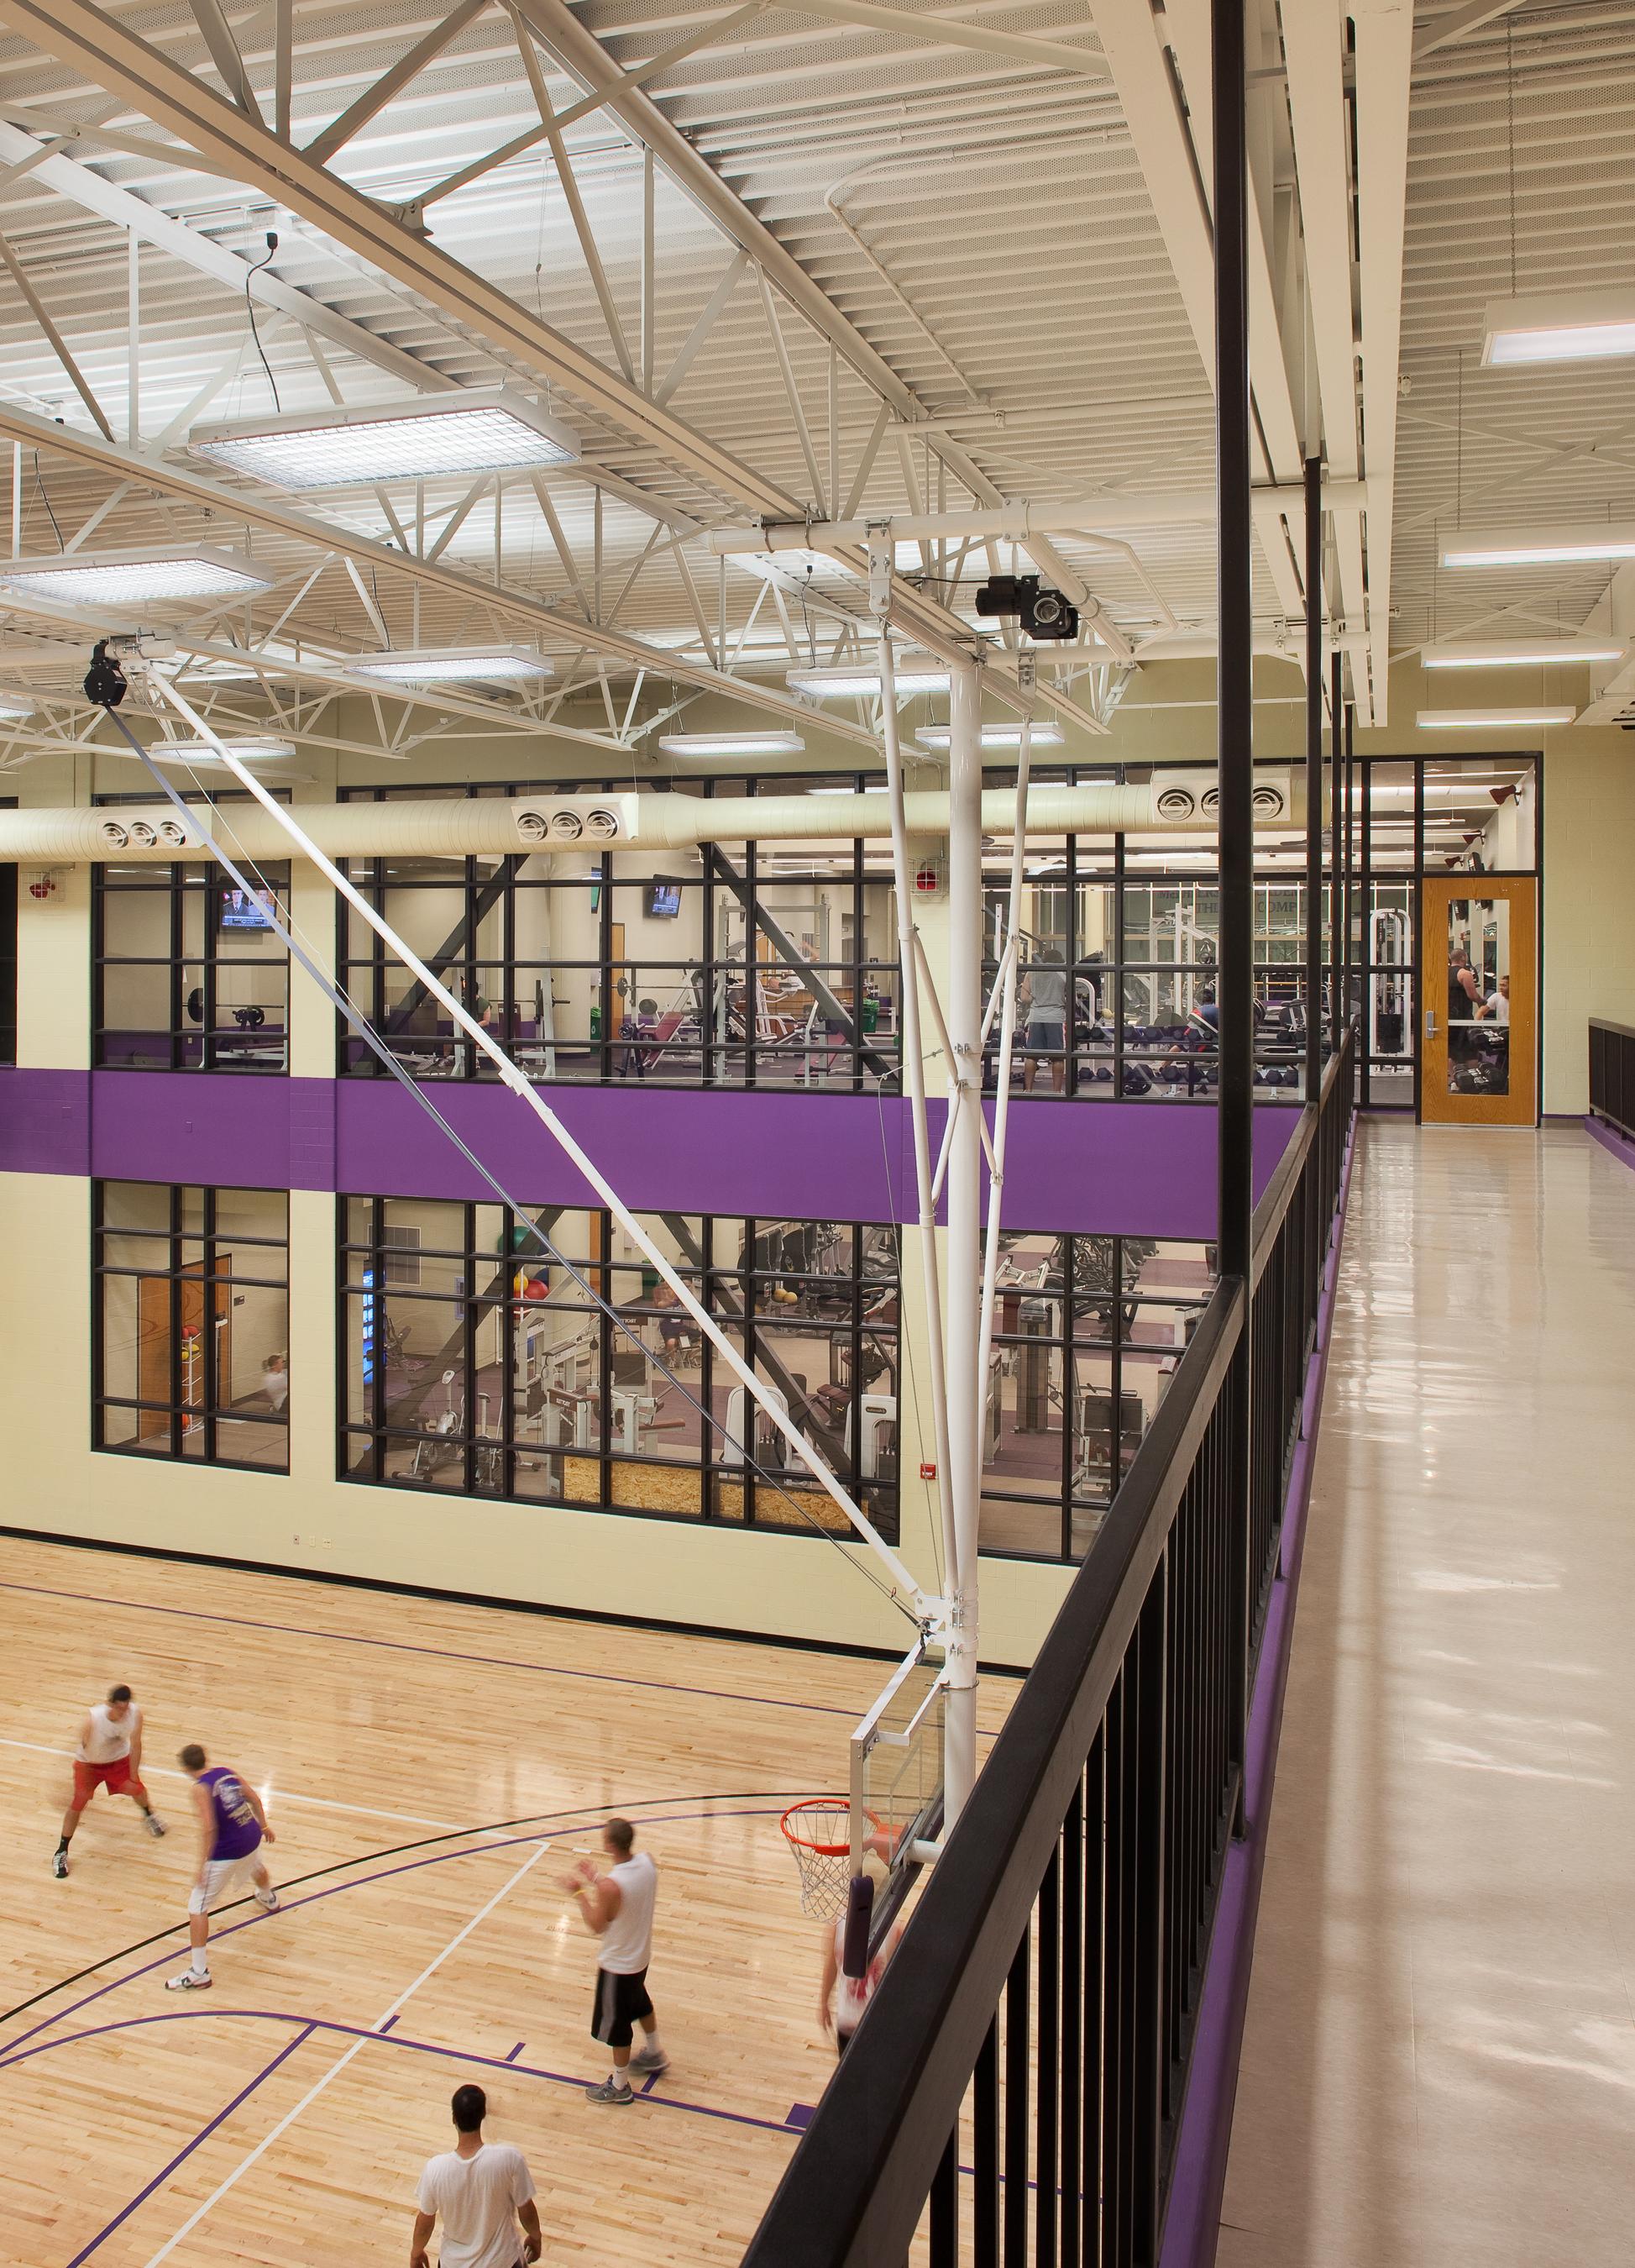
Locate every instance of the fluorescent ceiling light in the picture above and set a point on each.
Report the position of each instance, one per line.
(1559, 326)
(449, 663)
(1476, 720)
(923, 675)
(16, 708)
(1517, 654)
(480, 429)
(198, 570)
(995, 736)
(1536, 547)
(201, 754)
(731, 744)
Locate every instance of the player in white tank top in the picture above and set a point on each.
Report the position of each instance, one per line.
(618, 1909)
(108, 1755)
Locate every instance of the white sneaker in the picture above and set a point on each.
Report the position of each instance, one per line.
(267, 1900)
(653, 2059)
(154, 1825)
(190, 1980)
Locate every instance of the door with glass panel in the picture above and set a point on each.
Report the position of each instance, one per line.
(1479, 988)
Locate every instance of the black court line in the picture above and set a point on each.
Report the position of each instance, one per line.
(572, 1811)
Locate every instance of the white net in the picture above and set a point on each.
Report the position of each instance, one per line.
(819, 1835)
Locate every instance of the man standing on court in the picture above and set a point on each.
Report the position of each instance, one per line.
(232, 1827)
(482, 2189)
(109, 1756)
(618, 1908)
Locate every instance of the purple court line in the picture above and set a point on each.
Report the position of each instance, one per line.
(445, 1653)
(183, 2154)
(516, 2050)
(381, 1874)
(386, 2027)
(392, 2040)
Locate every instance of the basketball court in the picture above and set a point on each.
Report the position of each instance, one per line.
(431, 1771)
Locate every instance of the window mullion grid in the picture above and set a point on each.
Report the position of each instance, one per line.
(177, 991)
(208, 1332)
(173, 1383)
(604, 1366)
(209, 939)
(1117, 977)
(1070, 1034)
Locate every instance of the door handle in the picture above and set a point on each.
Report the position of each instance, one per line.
(1430, 1023)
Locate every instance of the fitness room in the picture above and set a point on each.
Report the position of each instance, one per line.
(817, 1096)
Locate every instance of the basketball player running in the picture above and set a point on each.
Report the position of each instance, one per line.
(618, 1909)
(232, 1828)
(109, 1756)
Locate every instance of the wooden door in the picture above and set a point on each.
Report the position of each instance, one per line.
(195, 1321)
(1479, 1001)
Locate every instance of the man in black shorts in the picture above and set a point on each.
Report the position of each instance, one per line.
(618, 1909)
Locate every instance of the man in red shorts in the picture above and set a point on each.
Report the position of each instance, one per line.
(109, 1756)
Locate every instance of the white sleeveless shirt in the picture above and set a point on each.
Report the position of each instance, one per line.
(110, 1736)
(627, 1940)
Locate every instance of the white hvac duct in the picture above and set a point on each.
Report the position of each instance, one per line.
(1174, 802)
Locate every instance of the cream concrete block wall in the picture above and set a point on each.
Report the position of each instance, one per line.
(310, 1522)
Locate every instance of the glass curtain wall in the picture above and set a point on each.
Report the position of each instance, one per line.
(188, 975)
(191, 1355)
(477, 1366)
(743, 964)
(1088, 1333)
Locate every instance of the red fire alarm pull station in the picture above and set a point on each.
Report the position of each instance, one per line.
(927, 1472)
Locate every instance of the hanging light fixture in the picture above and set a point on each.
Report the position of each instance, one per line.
(1517, 654)
(1559, 327)
(1547, 545)
(1492, 720)
(477, 430)
(915, 673)
(995, 736)
(731, 744)
(141, 578)
(450, 665)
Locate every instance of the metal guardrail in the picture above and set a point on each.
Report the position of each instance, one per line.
(1016, 2080)
(1612, 1074)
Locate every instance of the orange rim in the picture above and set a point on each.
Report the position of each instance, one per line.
(808, 1842)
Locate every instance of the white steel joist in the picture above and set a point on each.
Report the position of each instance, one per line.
(1314, 54)
(1175, 163)
(246, 507)
(1384, 66)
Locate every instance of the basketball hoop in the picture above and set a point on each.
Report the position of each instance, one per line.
(819, 1833)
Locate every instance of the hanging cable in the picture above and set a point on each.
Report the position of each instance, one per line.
(255, 329)
(288, 932)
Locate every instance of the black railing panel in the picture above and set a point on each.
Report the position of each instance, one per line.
(1612, 1074)
(1013, 2092)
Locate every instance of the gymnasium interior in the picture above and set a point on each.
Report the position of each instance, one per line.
(817, 1027)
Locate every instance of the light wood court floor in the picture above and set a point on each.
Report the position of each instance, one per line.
(430, 1771)
(1439, 2070)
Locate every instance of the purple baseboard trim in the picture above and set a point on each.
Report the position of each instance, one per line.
(1620, 1146)
(1198, 2177)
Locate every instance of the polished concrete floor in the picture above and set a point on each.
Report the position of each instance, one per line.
(1438, 2066)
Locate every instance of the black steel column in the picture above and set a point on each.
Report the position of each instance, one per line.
(1234, 988)
(1313, 778)
(1336, 1020)
(1235, 993)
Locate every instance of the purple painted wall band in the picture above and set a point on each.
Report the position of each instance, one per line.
(1129, 1168)
(1619, 1145)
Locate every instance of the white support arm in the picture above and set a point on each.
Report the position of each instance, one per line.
(903, 1586)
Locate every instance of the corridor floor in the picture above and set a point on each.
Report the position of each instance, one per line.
(1438, 2066)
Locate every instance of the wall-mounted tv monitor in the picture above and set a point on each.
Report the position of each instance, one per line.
(237, 909)
(664, 900)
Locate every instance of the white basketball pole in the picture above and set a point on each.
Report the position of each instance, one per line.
(903, 1584)
(964, 1268)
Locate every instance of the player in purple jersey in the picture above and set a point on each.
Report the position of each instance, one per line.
(232, 1827)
